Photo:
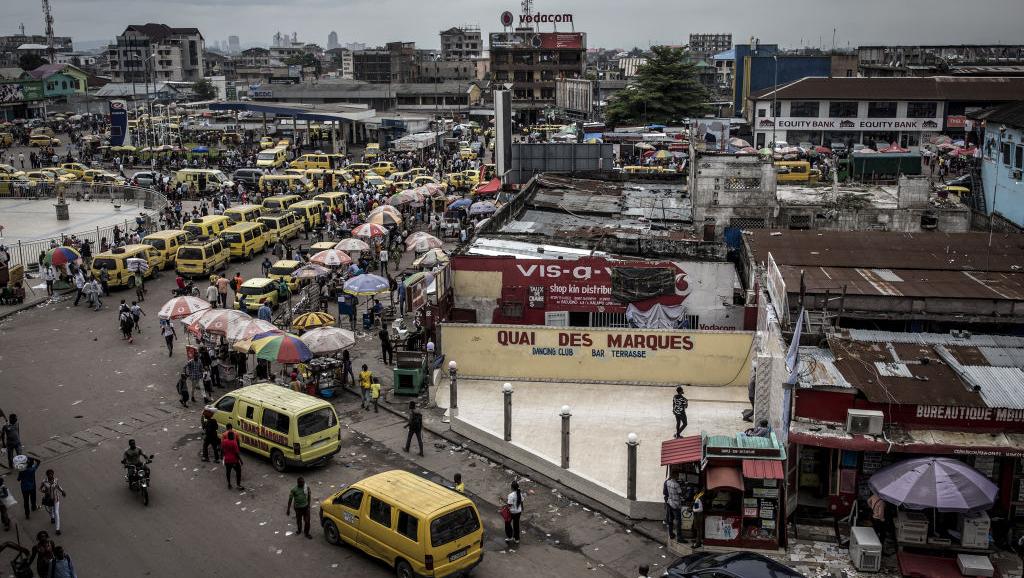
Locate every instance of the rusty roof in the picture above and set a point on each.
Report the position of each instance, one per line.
(906, 282)
(960, 88)
(889, 250)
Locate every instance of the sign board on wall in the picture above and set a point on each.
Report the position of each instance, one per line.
(600, 355)
(849, 124)
(118, 122)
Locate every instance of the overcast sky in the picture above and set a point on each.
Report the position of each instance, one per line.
(609, 23)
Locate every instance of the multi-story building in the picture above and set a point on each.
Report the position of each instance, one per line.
(966, 59)
(342, 59)
(372, 65)
(709, 44)
(461, 43)
(156, 52)
(9, 53)
(234, 46)
(629, 64)
(442, 70)
(532, 62)
(332, 41)
(403, 61)
(1002, 161)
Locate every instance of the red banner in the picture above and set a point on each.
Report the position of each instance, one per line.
(561, 40)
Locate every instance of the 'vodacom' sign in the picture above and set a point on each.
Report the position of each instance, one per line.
(538, 18)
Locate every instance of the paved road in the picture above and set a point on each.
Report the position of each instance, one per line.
(81, 392)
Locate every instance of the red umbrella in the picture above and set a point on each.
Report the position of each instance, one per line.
(369, 230)
(894, 148)
(823, 150)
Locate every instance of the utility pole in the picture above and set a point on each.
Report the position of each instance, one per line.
(48, 18)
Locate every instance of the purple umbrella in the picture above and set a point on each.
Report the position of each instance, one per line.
(945, 484)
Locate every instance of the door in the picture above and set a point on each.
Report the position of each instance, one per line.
(248, 420)
(347, 507)
(556, 318)
(376, 530)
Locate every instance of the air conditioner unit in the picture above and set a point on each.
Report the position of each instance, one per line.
(864, 421)
(865, 549)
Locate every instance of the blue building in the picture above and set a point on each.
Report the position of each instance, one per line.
(1002, 163)
(761, 66)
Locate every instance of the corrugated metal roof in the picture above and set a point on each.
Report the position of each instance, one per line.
(818, 368)
(1003, 356)
(1000, 386)
(763, 470)
(682, 450)
(893, 369)
(935, 338)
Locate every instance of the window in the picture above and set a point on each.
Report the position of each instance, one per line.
(351, 499)
(227, 403)
(1018, 157)
(453, 525)
(882, 109)
(380, 512)
(922, 109)
(275, 421)
(408, 526)
(250, 411)
(803, 108)
(842, 109)
(512, 309)
(762, 112)
(1006, 153)
(316, 421)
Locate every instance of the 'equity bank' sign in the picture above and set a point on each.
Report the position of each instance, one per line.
(598, 354)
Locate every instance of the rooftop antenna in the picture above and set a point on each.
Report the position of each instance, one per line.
(48, 17)
(22, 28)
(527, 7)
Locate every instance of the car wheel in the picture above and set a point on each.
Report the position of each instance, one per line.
(331, 533)
(403, 570)
(277, 460)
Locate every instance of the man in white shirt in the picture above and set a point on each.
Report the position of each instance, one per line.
(79, 285)
(212, 295)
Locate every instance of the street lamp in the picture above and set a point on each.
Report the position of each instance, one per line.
(995, 184)
(775, 99)
(453, 380)
(506, 390)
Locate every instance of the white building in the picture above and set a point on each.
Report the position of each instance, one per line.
(156, 52)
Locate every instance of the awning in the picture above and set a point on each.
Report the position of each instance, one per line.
(763, 470)
(491, 187)
(724, 477)
(682, 450)
(938, 442)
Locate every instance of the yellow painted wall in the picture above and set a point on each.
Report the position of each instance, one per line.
(610, 355)
(475, 284)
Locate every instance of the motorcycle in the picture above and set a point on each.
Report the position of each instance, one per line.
(137, 478)
(189, 290)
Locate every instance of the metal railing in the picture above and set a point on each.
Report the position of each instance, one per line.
(147, 201)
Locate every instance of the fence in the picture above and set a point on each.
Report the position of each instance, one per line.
(139, 199)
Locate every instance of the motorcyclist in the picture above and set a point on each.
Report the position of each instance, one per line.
(134, 456)
(181, 284)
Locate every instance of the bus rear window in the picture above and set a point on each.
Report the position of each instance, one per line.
(316, 421)
(190, 253)
(156, 243)
(194, 230)
(100, 263)
(232, 237)
(453, 525)
(281, 270)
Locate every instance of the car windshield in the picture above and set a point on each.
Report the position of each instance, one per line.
(266, 156)
(281, 270)
(232, 237)
(156, 243)
(453, 525)
(258, 290)
(712, 561)
(190, 253)
(316, 421)
(218, 177)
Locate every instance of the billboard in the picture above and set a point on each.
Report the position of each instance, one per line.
(118, 122)
(20, 91)
(569, 40)
(539, 40)
(713, 132)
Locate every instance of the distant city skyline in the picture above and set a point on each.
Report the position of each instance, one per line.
(608, 24)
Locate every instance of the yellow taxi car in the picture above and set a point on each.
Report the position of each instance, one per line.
(371, 152)
(42, 140)
(279, 203)
(255, 292)
(266, 143)
(283, 269)
(422, 180)
(243, 213)
(332, 199)
(116, 263)
(282, 227)
(246, 239)
(166, 243)
(11, 183)
(63, 175)
(467, 154)
(357, 169)
(413, 524)
(101, 176)
(309, 212)
(458, 181)
(287, 182)
(201, 257)
(208, 226)
(383, 168)
(372, 180)
(77, 168)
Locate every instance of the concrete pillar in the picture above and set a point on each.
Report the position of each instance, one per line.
(453, 377)
(566, 414)
(506, 390)
(632, 441)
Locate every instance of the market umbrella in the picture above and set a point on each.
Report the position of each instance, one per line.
(248, 328)
(431, 258)
(460, 203)
(738, 142)
(946, 484)
(386, 209)
(415, 277)
(482, 208)
(384, 218)
(311, 271)
(434, 189)
(643, 145)
(352, 244)
(328, 340)
(367, 284)
(281, 347)
(823, 150)
(179, 307)
(312, 320)
(331, 258)
(422, 239)
(200, 150)
(61, 256)
(369, 230)
(399, 199)
(217, 321)
(663, 155)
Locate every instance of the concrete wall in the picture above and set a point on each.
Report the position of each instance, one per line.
(568, 354)
(728, 187)
(1004, 193)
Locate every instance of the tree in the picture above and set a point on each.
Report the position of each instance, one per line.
(31, 61)
(666, 90)
(204, 90)
(304, 59)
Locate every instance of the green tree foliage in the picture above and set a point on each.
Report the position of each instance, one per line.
(304, 59)
(204, 90)
(31, 61)
(665, 91)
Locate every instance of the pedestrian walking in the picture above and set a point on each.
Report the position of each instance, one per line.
(42, 554)
(194, 371)
(232, 457)
(375, 394)
(61, 566)
(365, 379)
(210, 439)
(53, 493)
(167, 330)
(514, 501)
(643, 571)
(27, 477)
(679, 405)
(697, 509)
(673, 495)
(300, 497)
(182, 389)
(385, 345)
(49, 275)
(415, 427)
(127, 323)
(137, 314)
(212, 295)
(459, 486)
(79, 286)
(346, 368)
(10, 438)
(222, 290)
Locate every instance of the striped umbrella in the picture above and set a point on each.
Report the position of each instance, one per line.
(384, 218)
(367, 284)
(180, 307)
(482, 208)
(431, 258)
(386, 209)
(217, 321)
(400, 199)
(248, 329)
(61, 256)
(331, 258)
(281, 347)
(312, 320)
(435, 189)
(310, 271)
(945, 484)
(369, 230)
(328, 340)
(422, 239)
(352, 244)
